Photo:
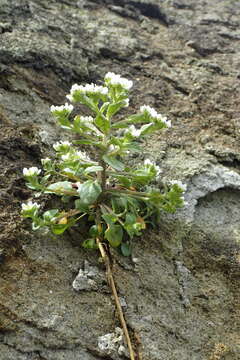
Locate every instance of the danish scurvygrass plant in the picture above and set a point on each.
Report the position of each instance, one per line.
(122, 195)
(117, 199)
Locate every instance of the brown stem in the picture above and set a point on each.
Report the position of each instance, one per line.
(116, 298)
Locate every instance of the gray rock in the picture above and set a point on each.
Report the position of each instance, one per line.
(112, 344)
(183, 56)
(89, 279)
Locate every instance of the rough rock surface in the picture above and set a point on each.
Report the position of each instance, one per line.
(182, 292)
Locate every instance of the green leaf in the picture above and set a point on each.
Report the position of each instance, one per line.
(85, 142)
(79, 205)
(114, 108)
(64, 122)
(93, 231)
(113, 162)
(90, 169)
(131, 225)
(102, 123)
(84, 99)
(89, 191)
(58, 229)
(126, 249)
(119, 205)
(123, 180)
(60, 186)
(90, 244)
(114, 235)
(36, 224)
(104, 107)
(50, 214)
(134, 119)
(110, 219)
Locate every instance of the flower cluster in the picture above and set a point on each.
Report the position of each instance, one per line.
(115, 80)
(133, 131)
(88, 89)
(30, 209)
(32, 171)
(76, 155)
(62, 146)
(153, 115)
(59, 109)
(29, 206)
(179, 183)
(149, 164)
(85, 125)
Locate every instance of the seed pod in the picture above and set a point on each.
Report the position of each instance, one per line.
(63, 220)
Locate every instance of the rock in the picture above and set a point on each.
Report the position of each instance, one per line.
(89, 279)
(182, 294)
(112, 344)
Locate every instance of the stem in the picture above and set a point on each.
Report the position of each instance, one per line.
(69, 214)
(120, 173)
(103, 206)
(139, 195)
(116, 298)
(103, 175)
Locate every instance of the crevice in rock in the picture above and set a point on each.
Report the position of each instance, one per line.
(129, 8)
(176, 85)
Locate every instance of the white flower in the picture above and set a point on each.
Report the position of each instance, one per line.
(149, 163)
(78, 155)
(126, 101)
(32, 171)
(83, 156)
(66, 157)
(67, 107)
(164, 120)
(87, 119)
(114, 79)
(58, 146)
(149, 110)
(133, 131)
(30, 206)
(154, 115)
(179, 183)
(69, 171)
(158, 170)
(113, 148)
(45, 161)
(88, 89)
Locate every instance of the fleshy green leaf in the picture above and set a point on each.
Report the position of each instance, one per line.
(102, 123)
(85, 142)
(114, 235)
(50, 214)
(64, 122)
(89, 191)
(113, 162)
(60, 186)
(93, 231)
(104, 107)
(126, 249)
(79, 205)
(110, 219)
(134, 119)
(90, 169)
(58, 229)
(114, 108)
(84, 99)
(90, 244)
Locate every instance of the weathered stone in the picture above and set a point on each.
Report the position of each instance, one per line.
(182, 293)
